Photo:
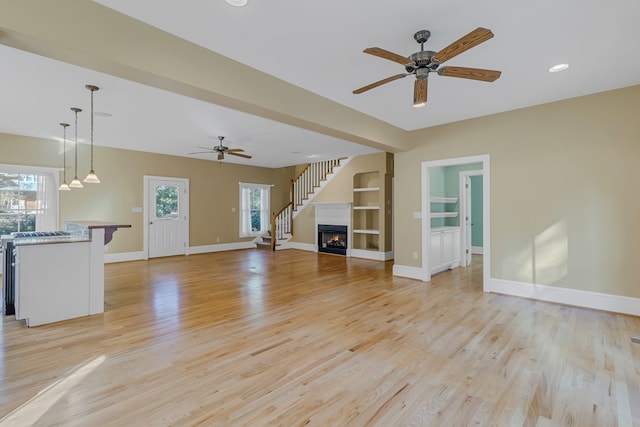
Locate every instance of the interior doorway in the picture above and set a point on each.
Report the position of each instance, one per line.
(166, 211)
(428, 259)
(471, 215)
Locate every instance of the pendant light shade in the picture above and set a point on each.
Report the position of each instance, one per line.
(64, 186)
(76, 182)
(92, 178)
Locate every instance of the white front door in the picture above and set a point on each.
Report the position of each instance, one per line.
(167, 216)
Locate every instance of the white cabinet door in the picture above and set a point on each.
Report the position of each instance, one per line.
(444, 249)
(435, 251)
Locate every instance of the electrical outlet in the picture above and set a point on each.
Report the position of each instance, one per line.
(414, 255)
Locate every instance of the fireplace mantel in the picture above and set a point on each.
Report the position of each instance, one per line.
(333, 213)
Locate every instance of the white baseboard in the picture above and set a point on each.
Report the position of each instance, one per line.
(135, 256)
(310, 247)
(374, 255)
(574, 297)
(221, 247)
(123, 256)
(409, 272)
(476, 250)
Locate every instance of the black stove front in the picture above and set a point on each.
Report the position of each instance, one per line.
(332, 239)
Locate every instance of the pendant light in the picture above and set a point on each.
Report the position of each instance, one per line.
(92, 178)
(64, 186)
(76, 182)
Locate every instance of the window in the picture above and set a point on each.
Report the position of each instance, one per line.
(28, 199)
(255, 219)
(167, 202)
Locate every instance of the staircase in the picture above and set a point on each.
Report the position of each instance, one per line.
(302, 190)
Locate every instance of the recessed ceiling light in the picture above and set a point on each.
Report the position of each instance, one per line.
(558, 67)
(237, 3)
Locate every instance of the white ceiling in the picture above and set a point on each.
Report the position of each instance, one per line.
(318, 46)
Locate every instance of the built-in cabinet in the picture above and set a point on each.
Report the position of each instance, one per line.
(444, 241)
(444, 248)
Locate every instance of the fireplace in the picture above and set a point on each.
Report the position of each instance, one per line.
(332, 239)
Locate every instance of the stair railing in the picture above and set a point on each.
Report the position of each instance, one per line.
(300, 189)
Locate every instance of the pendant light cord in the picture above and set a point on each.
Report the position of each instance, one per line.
(91, 131)
(76, 146)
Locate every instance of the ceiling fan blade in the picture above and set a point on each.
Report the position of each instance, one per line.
(385, 54)
(246, 156)
(236, 150)
(420, 92)
(379, 83)
(220, 156)
(463, 44)
(202, 152)
(470, 73)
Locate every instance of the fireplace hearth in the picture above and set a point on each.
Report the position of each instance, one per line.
(332, 239)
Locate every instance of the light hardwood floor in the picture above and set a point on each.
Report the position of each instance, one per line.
(255, 338)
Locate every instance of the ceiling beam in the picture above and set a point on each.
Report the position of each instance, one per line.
(87, 34)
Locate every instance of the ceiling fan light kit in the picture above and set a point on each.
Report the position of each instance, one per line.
(237, 3)
(422, 63)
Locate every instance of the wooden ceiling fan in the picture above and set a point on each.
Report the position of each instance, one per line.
(424, 62)
(222, 150)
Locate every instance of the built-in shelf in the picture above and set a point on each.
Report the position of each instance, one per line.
(367, 212)
(443, 199)
(362, 231)
(443, 214)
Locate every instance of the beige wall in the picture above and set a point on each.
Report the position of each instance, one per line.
(213, 188)
(564, 209)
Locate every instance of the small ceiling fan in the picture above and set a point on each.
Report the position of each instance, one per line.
(421, 63)
(222, 150)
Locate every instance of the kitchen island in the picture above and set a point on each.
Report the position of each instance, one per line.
(61, 278)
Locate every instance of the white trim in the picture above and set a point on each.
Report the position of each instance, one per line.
(566, 296)
(124, 256)
(137, 256)
(407, 271)
(477, 250)
(374, 255)
(253, 184)
(265, 212)
(222, 247)
(309, 247)
(486, 210)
